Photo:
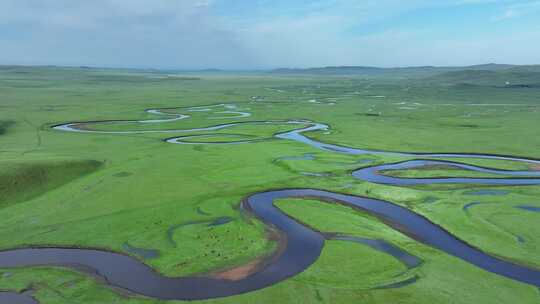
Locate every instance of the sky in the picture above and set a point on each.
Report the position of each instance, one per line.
(263, 34)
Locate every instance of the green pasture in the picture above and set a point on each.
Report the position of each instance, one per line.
(105, 190)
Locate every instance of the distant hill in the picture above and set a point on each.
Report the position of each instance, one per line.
(489, 67)
(511, 77)
(362, 70)
(398, 72)
(331, 70)
(491, 74)
(525, 68)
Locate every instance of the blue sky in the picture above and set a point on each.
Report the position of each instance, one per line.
(248, 34)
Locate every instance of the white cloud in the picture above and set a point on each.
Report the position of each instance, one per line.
(262, 33)
(517, 10)
(507, 14)
(158, 33)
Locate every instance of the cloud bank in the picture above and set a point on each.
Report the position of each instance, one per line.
(235, 34)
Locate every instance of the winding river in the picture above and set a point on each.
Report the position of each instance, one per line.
(16, 298)
(302, 245)
(373, 175)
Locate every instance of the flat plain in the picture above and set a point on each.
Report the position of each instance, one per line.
(121, 187)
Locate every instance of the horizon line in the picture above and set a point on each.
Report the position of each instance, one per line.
(261, 69)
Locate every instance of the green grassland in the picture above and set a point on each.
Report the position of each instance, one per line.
(105, 190)
(20, 182)
(438, 171)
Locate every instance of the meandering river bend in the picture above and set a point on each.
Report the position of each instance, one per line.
(303, 245)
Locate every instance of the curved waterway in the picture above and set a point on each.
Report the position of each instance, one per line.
(301, 245)
(16, 298)
(294, 135)
(375, 174)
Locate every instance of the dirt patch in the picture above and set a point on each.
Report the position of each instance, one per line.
(243, 271)
(535, 167)
(240, 272)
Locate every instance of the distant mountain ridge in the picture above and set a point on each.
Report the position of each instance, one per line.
(491, 74)
(419, 71)
(513, 77)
